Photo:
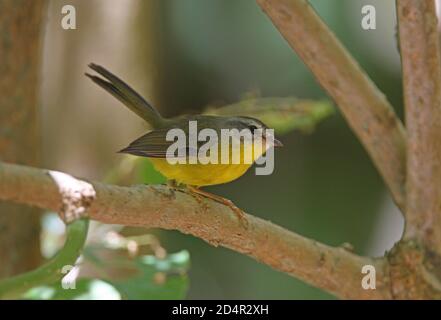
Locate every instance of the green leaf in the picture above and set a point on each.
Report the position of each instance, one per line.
(281, 114)
(155, 279)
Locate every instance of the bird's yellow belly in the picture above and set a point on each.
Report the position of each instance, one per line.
(200, 174)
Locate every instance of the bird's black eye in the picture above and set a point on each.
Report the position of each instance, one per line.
(252, 128)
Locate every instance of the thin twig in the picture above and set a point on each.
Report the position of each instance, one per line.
(335, 270)
(365, 108)
(421, 62)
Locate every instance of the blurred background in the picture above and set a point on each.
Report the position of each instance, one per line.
(186, 55)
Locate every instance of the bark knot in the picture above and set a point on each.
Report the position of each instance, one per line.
(76, 196)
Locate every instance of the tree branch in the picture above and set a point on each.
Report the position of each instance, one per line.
(365, 108)
(421, 63)
(333, 269)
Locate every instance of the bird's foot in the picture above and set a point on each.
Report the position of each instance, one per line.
(198, 194)
(173, 186)
(170, 191)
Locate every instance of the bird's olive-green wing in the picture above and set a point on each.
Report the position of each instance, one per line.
(155, 145)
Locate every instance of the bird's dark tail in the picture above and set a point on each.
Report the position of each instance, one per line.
(124, 93)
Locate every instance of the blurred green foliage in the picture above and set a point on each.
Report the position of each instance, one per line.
(85, 289)
(281, 114)
(156, 278)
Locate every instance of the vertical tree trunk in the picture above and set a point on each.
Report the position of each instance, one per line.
(20, 44)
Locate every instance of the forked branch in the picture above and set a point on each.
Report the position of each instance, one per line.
(366, 109)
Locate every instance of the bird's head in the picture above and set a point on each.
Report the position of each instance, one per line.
(255, 126)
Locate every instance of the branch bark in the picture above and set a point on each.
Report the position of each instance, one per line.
(335, 270)
(421, 63)
(366, 109)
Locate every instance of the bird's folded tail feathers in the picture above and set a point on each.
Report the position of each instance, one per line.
(124, 93)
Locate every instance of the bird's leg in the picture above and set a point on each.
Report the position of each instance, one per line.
(173, 187)
(193, 191)
(239, 213)
(172, 184)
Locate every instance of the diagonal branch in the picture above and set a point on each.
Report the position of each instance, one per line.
(365, 108)
(421, 62)
(333, 269)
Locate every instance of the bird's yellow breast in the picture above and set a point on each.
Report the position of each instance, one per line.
(199, 174)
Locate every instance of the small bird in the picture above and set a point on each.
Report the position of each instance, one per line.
(154, 144)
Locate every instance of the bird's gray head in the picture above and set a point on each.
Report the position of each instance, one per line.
(253, 124)
(248, 123)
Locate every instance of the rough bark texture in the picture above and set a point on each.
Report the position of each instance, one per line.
(420, 250)
(20, 26)
(335, 270)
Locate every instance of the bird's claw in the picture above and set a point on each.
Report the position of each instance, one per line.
(199, 194)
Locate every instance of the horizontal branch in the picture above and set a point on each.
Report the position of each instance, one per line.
(335, 270)
(364, 106)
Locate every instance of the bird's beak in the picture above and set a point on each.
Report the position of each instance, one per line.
(277, 143)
